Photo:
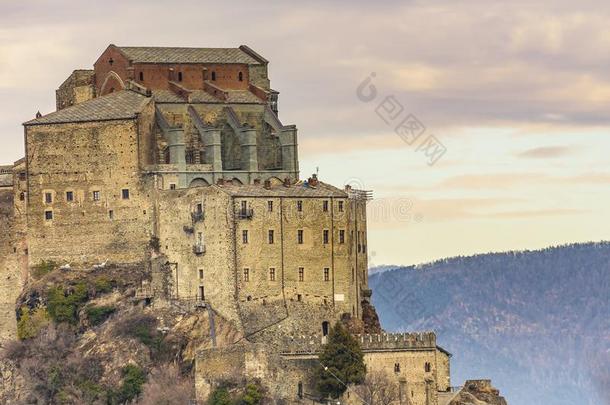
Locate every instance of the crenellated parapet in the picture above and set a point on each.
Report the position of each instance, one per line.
(397, 341)
(309, 344)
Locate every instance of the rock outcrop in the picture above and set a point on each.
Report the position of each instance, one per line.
(478, 392)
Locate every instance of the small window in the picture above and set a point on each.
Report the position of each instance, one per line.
(271, 236)
(341, 207)
(341, 236)
(199, 208)
(172, 186)
(325, 206)
(213, 76)
(301, 273)
(246, 274)
(241, 77)
(96, 196)
(300, 236)
(244, 236)
(300, 206)
(326, 236)
(200, 273)
(22, 196)
(48, 198)
(22, 176)
(397, 367)
(272, 274)
(427, 367)
(179, 76)
(111, 214)
(125, 194)
(299, 297)
(48, 215)
(326, 274)
(69, 196)
(141, 76)
(270, 206)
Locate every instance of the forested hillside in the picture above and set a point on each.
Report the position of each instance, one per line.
(536, 322)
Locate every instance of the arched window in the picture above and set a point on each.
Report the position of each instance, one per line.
(325, 328)
(213, 76)
(397, 367)
(241, 77)
(22, 196)
(427, 367)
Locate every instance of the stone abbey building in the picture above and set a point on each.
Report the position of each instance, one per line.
(176, 158)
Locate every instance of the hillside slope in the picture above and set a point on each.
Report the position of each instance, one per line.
(536, 322)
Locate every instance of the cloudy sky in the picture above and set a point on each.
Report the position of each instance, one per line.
(517, 93)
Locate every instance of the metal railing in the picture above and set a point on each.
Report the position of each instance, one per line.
(244, 213)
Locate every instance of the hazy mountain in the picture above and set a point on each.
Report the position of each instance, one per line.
(536, 322)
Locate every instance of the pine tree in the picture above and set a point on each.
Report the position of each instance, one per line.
(341, 363)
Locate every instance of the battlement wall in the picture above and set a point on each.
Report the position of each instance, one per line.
(303, 344)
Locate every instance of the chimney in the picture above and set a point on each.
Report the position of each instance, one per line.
(220, 182)
(267, 184)
(287, 182)
(313, 180)
(348, 187)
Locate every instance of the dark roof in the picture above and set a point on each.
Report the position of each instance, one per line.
(189, 55)
(123, 104)
(295, 190)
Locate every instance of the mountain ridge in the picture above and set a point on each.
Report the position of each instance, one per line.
(535, 321)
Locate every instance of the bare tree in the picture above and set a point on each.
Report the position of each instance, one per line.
(378, 389)
(167, 386)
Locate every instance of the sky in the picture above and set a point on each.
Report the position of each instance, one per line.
(501, 107)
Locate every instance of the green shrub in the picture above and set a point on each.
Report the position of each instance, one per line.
(31, 322)
(103, 285)
(64, 307)
(252, 396)
(133, 379)
(220, 396)
(43, 268)
(98, 315)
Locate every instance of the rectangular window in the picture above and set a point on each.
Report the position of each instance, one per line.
(301, 273)
(326, 274)
(69, 196)
(244, 206)
(271, 236)
(200, 273)
(22, 176)
(300, 236)
(125, 194)
(246, 274)
(48, 215)
(325, 206)
(326, 236)
(172, 186)
(48, 198)
(272, 274)
(341, 206)
(96, 196)
(341, 236)
(270, 206)
(244, 236)
(300, 206)
(111, 214)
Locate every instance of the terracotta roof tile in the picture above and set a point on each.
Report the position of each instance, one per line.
(187, 55)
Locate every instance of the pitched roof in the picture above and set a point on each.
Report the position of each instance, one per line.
(123, 104)
(190, 55)
(294, 190)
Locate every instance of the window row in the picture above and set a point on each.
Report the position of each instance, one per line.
(427, 367)
(299, 205)
(301, 274)
(300, 236)
(49, 215)
(95, 196)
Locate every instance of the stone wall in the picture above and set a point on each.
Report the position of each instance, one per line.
(77, 210)
(77, 88)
